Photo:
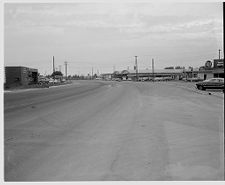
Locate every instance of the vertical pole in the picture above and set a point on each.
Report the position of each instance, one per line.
(66, 69)
(136, 66)
(53, 62)
(153, 69)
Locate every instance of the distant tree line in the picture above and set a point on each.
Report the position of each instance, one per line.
(72, 77)
(177, 67)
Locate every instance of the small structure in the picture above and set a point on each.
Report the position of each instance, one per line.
(20, 76)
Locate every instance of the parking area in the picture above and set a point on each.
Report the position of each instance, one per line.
(192, 86)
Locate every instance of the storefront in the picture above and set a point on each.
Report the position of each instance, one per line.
(215, 70)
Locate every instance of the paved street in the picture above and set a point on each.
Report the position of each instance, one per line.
(106, 131)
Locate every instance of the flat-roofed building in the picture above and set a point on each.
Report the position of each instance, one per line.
(20, 76)
(175, 74)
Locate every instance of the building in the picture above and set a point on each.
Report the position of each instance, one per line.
(218, 68)
(215, 70)
(209, 70)
(175, 74)
(20, 76)
(106, 76)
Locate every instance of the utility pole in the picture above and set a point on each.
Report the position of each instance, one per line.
(53, 62)
(219, 54)
(136, 67)
(66, 69)
(153, 69)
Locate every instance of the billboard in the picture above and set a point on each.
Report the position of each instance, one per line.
(219, 63)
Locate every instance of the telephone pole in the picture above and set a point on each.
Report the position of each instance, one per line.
(66, 69)
(136, 67)
(153, 69)
(219, 53)
(53, 63)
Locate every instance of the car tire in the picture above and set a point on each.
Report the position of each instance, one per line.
(201, 88)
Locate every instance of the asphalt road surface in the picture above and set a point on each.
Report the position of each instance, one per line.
(113, 131)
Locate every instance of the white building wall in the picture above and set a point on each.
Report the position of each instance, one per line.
(208, 75)
(201, 76)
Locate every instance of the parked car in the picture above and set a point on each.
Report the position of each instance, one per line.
(116, 79)
(167, 78)
(158, 79)
(98, 78)
(212, 83)
(43, 80)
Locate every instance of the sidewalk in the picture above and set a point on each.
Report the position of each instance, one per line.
(18, 90)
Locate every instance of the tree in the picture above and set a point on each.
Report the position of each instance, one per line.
(169, 67)
(59, 73)
(178, 67)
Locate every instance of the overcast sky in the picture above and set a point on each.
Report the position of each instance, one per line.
(103, 35)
